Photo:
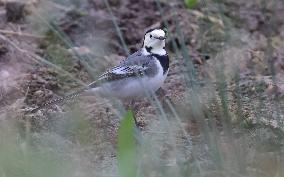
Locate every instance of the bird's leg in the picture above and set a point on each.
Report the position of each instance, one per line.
(162, 95)
(164, 98)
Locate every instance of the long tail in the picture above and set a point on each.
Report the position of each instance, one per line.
(65, 98)
(59, 100)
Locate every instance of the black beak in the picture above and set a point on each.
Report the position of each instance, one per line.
(160, 38)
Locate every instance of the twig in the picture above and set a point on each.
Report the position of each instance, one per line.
(7, 32)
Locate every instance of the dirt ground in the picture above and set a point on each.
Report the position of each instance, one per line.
(246, 41)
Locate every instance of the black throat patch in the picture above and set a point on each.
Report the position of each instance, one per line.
(164, 60)
(149, 49)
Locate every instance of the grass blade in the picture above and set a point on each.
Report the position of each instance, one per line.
(126, 147)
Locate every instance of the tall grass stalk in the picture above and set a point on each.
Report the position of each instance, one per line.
(118, 31)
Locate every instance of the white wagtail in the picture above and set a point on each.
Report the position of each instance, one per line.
(145, 70)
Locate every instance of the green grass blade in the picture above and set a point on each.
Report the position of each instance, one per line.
(190, 3)
(126, 147)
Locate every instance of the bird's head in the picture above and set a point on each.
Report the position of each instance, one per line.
(155, 41)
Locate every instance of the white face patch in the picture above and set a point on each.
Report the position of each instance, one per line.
(154, 40)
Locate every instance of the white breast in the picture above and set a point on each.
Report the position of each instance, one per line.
(133, 87)
(154, 83)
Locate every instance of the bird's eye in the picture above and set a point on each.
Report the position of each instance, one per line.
(150, 35)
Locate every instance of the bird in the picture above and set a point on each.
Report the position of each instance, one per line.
(143, 71)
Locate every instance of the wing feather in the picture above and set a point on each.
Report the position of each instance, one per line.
(135, 65)
(122, 72)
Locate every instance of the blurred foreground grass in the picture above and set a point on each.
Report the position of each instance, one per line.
(21, 156)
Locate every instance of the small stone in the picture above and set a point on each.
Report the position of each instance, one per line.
(39, 93)
(15, 11)
(3, 50)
